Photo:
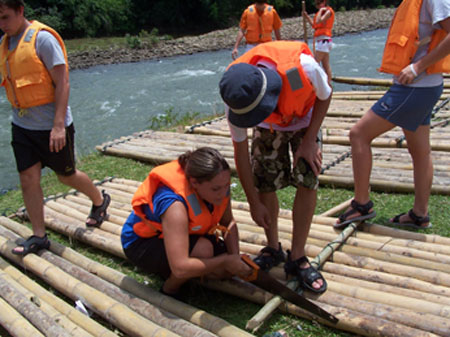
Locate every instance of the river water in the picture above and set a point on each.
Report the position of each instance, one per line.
(116, 100)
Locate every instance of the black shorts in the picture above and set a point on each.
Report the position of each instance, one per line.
(31, 147)
(150, 254)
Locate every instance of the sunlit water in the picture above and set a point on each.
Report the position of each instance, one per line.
(116, 100)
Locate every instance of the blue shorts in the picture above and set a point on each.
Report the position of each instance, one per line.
(408, 107)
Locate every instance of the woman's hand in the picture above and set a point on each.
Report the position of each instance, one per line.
(235, 266)
(407, 75)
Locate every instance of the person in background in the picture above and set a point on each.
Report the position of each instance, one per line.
(417, 64)
(257, 23)
(35, 74)
(278, 89)
(323, 25)
(176, 212)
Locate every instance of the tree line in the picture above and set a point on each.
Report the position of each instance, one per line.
(98, 18)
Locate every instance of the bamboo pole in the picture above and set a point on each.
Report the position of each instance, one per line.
(95, 237)
(30, 311)
(394, 300)
(80, 213)
(386, 288)
(369, 81)
(358, 273)
(115, 207)
(113, 311)
(349, 320)
(112, 223)
(379, 185)
(258, 319)
(305, 31)
(65, 309)
(429, 242)
(15, 323)
(407, 282)
(151, 312)
(337, 209)
(401, 305)
(314, 249)
(358, 246)
(55, 317)
(183, 310)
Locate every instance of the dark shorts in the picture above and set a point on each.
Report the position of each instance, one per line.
(408, 107)
(31, 147)
(150, 254)
(271, 160)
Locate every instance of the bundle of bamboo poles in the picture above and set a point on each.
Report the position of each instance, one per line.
(382, 281)
(336, 130)
(125, 303)
(160, 147)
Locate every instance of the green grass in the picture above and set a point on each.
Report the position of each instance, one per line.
(86, 44)
(234, 310)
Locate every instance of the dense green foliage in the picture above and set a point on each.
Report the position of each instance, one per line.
(95, 18)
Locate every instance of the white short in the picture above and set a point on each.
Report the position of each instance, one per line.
(324, 45)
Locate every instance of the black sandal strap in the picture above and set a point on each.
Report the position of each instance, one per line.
(269, 257)
(363, 209)
(32, 245)
(96, 211)
(418, 220)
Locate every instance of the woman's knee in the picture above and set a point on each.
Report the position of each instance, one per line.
(203, 249)
(356, 134)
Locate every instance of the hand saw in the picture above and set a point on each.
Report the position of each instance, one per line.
(270, 284)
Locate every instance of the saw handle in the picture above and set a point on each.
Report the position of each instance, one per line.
(255, 268)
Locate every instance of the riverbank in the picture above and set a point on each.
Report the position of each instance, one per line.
(345, 23)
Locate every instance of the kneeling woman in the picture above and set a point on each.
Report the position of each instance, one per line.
(176, 210)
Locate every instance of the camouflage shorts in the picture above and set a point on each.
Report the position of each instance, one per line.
(271, 160)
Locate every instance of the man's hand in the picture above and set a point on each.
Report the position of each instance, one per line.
(57, 139)
(234, 54)
(311, 152)
(260, 215)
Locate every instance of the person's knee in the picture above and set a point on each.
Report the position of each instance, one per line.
(355, 135)
(66, 179)
(203, 249)
(419, 153)
(30, 177)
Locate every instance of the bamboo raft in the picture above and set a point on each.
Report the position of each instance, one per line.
(381, 281)
(392, 166)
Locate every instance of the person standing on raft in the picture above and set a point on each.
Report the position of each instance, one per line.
(417, 53)
(279, 90)
(35, 74)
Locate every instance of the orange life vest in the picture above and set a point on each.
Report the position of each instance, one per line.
(324, 28)
(297, 94)
(403, 41)
(259, 27)
(25, 78)
(201, 220)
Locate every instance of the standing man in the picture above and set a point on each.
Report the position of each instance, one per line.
(35, 74)
(278, 89)
(416, 53)
(257, 23)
